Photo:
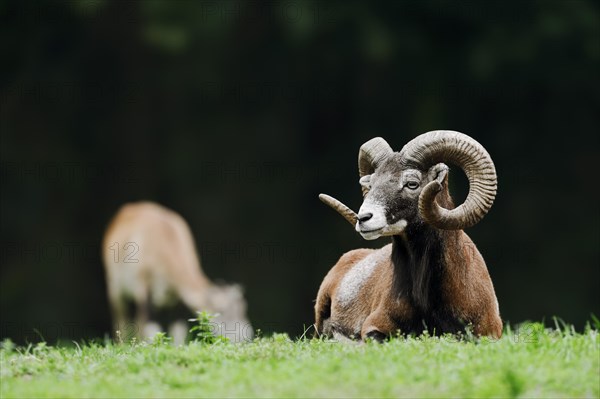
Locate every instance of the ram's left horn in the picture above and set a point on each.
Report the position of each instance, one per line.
(340, 208)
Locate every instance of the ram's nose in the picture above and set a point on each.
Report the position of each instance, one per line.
(363, 217)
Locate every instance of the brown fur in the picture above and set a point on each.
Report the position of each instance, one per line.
(411, 291)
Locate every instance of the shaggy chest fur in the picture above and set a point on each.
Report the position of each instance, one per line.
(419, 277)
(408, 277)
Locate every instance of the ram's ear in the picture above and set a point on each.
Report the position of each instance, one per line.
(439, 173)
(365, 181)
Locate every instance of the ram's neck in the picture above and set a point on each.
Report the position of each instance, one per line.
(419, 261)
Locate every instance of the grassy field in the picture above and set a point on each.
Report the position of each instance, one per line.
(535, 362)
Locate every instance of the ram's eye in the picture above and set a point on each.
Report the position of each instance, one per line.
(413, 185)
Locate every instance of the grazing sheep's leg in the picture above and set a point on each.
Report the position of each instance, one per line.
(142, 313)
(178, 330)
(150, 329)
(118, 312)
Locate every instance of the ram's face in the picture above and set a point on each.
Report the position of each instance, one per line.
(392, 200)
(402, 188)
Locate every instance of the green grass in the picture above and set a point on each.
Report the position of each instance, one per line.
(537, 362)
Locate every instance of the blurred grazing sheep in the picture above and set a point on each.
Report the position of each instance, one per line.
(151, 261)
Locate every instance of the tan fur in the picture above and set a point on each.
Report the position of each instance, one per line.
(165, 268)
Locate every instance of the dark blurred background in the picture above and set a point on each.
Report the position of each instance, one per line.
(237, 114)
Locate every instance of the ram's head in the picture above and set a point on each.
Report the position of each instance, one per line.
(411, 186)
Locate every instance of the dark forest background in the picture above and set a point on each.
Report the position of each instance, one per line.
(238, 114)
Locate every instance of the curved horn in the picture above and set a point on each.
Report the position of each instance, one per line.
(371, 155)
(457, 148)
(340, 208)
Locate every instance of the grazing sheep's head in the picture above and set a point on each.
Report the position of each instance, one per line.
(227, 300)
(401, 188)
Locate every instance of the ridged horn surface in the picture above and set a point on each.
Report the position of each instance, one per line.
(371, 155)
(453, 147)
(340, 208)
